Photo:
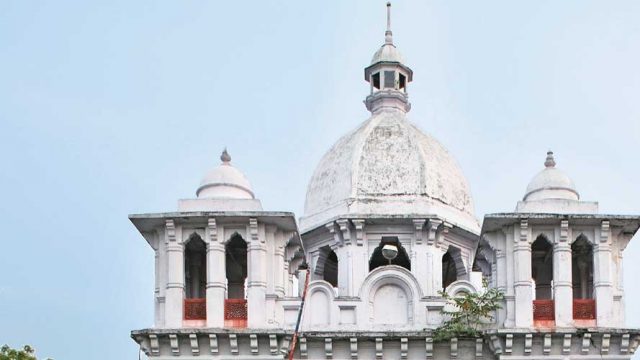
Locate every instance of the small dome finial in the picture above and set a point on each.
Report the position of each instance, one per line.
(225, 157)
(388, 35)
(550, 161)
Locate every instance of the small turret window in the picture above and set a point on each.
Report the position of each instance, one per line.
(376, 80)
(402, 82)
(389, 80)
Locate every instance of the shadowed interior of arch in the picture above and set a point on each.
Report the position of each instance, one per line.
(542, 268)
(377, 259)
(582, 268)
(236, 267)
(195, 268)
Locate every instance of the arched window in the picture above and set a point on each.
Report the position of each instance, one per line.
(453, 267)
(330, 272)
(542, 268)
(582, 268)
(402, 259)
(195, 268)
(195, 279)
(236, 267)
(449, 271)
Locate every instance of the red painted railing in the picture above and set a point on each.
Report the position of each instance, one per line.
(584, 309)
(235, 309)
(543, 310)
(195, 309)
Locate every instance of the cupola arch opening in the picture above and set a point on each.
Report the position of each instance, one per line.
(195, 278)
(542, 277)
(378, 259)
(584, 307)
(235, 305)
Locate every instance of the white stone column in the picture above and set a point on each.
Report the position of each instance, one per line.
(433, 264)
(344, 269)
(175, 278)
(602, 277)
(419, 262)
(257, 279)
(279, 269)
(562, 281)
(216, 276)
(358, 256)
(522, 281)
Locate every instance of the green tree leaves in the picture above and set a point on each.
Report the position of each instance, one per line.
(26, 353)
(471, 310)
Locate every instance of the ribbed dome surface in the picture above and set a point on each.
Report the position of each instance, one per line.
(387, 53)
(388, 166)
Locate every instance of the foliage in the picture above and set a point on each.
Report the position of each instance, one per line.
(471, 309)
(26, 353)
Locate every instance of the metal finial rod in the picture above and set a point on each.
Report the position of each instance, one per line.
(388, 16)
(388, 35)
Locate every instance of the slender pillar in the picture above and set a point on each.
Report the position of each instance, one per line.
(433, 265)
(175, 278)
(562, 278)
(344, 269)
(216, 276)
(257, 282)
(603, 287)
(522, 281)
(279, 270)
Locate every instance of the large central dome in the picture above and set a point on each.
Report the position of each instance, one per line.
(387, 166)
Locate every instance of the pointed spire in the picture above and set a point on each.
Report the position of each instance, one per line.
(388, 35)
(550, 161)
(225, 157)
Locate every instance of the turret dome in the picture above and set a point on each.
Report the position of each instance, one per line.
(225, 182)
(551, 183)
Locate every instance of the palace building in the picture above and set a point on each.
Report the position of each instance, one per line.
(388, 226)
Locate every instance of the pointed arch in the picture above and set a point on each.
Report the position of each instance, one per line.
(236, 266)
(542, 267)
(195, 267)
(582, 268)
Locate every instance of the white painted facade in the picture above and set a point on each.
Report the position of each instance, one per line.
(229, 275)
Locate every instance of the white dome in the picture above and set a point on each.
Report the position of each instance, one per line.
(387, 53)
(225, 182)
(387, 166)
(551, 183)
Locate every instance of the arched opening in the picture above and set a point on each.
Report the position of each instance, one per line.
(236, 267)
(235, 306)
(542, 268)
(195, 268)
(377, 259)
(195, 278)
(453, 267)
(542, 276)
(582, 279)
(449, 272)
(330, 272)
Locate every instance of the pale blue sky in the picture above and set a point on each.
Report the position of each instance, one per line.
(116, 107)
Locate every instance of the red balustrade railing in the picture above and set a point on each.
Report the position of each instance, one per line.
(544, 310)
(584, 309)
(235, 309)
(195, 309)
